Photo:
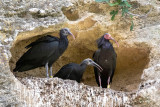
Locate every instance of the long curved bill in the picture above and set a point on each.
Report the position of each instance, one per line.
(97, 66)
(114, 41)
(72, 35)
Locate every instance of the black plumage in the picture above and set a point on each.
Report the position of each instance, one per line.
(75, 71)
(106, 57)
(43, 52)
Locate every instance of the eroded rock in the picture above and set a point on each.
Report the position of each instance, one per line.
(137, 72)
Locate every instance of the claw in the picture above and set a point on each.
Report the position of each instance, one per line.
(108, 86)
(50, 68)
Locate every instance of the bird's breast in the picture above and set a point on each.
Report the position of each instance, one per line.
(63, 46)
(106, 58)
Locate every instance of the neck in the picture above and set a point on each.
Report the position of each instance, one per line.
(83, 65)
(63, 43)
(107, 45)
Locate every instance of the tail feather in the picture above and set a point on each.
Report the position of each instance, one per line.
(14, 70)
(17, 68)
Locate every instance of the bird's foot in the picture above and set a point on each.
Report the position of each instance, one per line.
(108, 86)
(51, 76)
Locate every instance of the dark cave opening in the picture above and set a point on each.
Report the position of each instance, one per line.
(131, 61)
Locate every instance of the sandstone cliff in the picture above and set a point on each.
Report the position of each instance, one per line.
(137, 78)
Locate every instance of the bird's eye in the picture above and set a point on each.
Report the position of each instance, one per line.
(90, 60)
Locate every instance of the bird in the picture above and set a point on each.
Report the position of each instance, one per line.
(75, 71)
(43, 52)
(106, 57)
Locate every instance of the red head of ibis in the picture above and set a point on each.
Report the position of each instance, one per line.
(109, 37)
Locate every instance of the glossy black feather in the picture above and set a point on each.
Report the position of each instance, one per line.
(105, 56)
(45, 39)
(45, 49)
(71, 71)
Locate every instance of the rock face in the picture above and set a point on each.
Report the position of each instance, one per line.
(136, 81)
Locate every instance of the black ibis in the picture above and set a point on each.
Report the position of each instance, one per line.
(75, 71)
(106, 57)
(44, 52)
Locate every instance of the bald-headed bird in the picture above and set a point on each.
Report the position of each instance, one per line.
(106, 57)
(44, 52)
(75, 71)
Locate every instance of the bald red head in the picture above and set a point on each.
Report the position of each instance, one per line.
(109, 37)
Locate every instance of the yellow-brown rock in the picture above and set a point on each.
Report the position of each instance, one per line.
(136, 81)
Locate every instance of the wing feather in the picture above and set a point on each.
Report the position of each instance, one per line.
(45, 39)
(39, 52)
(64, 72)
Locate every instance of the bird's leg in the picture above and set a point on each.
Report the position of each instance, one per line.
(99, 77)
(100, 81)
(108, 85)
(46, 66)
(51, 76)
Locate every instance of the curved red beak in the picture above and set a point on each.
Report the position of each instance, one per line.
(114, 41)
(109, 37)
